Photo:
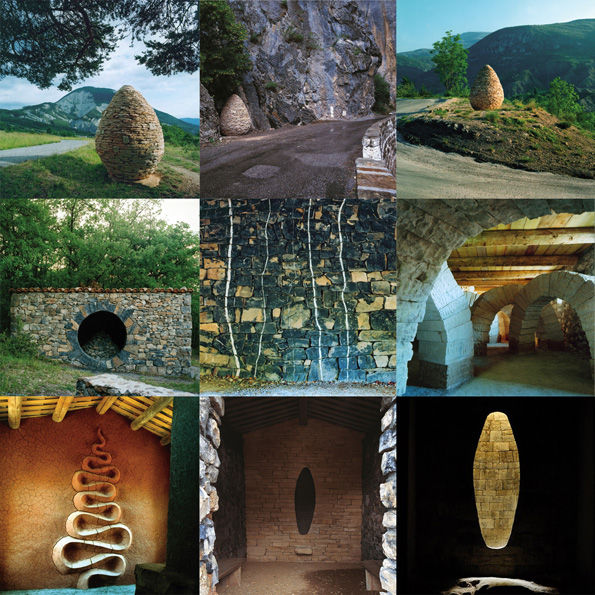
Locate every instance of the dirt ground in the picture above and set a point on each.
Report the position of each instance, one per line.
(294, 578)
(231, 387)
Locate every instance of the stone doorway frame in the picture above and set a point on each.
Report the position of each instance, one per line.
(212, 410)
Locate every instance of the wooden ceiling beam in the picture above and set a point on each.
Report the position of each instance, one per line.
(61, 408)
(148, 414)
(523, 274)
(165, 440)
(14, 412)
(290, 407)
(105, 404)
(533, 237)
(512, 261)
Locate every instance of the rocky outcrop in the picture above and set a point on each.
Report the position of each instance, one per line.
(209, 119)
(129, 139)
(312, 59)
(235, 119)
(487, 92)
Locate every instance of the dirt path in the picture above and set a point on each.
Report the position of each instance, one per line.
(210, 387)
(294, 578)
(191, 182)
(12, 156)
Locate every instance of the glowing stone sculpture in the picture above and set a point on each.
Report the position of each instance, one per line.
(496, 480)
(94, 525)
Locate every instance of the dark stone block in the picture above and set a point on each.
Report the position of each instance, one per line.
(298, 342)
(352, 376)
(385, 376)
(329, 368)
(348, 337)
(314, 354)
(293, 354)
(376, 262)
(365, 362)
(294, 333)
(384, 320)
(348, 363)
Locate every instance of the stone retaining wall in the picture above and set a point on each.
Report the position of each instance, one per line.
(155, 326)
(299, 289)
(388, 144)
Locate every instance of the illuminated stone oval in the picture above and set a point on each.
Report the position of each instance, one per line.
(496, 480)
(305, 501)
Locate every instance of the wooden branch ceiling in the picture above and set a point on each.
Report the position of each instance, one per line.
(518, 252)
(246, 414)
(151, 413)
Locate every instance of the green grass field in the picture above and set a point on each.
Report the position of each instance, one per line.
(26, 376)
(80, 173)
(16, 140)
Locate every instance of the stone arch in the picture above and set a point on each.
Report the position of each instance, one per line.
(445, 335)
(549, 331)
(429, 230)
(483, 311)
(574, 288)
(90, 317)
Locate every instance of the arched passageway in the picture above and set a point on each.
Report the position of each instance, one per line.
(102, 335)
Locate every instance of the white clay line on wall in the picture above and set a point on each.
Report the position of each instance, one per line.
(344, 284)
(264, 300)
(233, 345)
(314, 292)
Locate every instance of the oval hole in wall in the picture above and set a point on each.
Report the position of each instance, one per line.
(496, 480)
(305, 501)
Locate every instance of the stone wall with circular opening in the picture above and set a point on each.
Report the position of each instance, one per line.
(136, 330)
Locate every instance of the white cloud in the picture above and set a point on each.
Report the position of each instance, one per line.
(176, 95)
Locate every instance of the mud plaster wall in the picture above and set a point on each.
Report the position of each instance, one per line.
(230, 519)
(372, 509)
(273, 299)
(274, 457)
(37, 463)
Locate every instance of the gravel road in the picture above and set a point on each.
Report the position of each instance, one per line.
(428, 173)
(313, 161)
(12, 156)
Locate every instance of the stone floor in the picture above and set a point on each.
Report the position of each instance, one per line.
(294, 578)
(114, 590)
(498, 374)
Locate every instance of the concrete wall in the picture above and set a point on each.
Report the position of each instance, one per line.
(298, 290)
(334, 456)
(38, 462)
(158, 326)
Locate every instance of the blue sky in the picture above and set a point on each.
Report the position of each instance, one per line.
(176, 95)
(422, 22)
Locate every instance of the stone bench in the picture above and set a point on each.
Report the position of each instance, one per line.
(112, 384)
(230, 571)
(372, 568)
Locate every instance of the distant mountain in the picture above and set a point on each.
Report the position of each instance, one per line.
(79, 110)
(195, 121)
(528, 57)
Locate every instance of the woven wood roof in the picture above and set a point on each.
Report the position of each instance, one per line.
(151, 413)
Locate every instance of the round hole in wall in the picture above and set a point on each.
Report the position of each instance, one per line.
(102, 335)
(305, 501)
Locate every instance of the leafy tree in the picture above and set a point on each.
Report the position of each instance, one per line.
(450, 58)
(562, 98)
(223, 56)
(42, 39)
(407, 88)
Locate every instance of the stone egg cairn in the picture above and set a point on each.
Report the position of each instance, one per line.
(129, 139)
(235, 119)
(487, 92)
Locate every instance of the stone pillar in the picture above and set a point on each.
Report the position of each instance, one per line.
(211, 412)
(179, 576)
(388, 495)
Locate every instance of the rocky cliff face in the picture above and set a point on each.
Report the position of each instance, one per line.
(312, 59)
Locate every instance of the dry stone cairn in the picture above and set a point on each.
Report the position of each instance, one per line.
(129, 139)
(235, 119)
(487, 92)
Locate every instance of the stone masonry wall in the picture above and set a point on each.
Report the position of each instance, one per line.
(334, 456)
(372, 510)
(211, 412)
(388, 494)
(388, 144)
(299, 289)
(156, 325)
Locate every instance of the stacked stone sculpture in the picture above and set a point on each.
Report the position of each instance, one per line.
(129, 139)
(487, 92)
(235, 119)
(95, 522)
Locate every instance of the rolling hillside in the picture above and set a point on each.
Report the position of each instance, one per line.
(528, 57)
(79, 111)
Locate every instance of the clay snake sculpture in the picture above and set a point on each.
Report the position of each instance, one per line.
(94, 525)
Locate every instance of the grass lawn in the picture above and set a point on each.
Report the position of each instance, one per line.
(194, 357)
(16, 140)
(80, 173)
(23, 376)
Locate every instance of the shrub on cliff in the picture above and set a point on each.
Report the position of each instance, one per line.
(223, 58)
(381, 94)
